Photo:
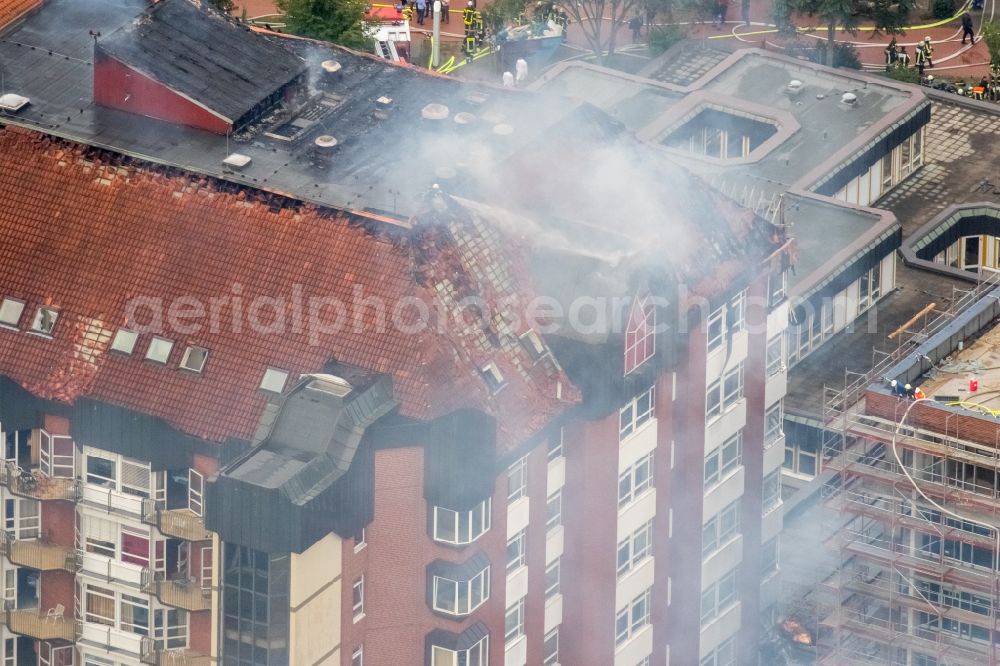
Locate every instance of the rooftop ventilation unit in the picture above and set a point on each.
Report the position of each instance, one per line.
(237, 161)
(331, 66)
(794, 87)
(13, 103)
(464, 118)
(850, 99)
(435, 112)
(323, 147)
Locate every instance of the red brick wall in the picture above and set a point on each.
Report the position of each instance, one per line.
(57, 588)
(590, 517)
(534, 617)
(59, 523)
(119, 87)
(204, 465)
(661, 524)
(394, 562)
(930, 415)
(200, 631)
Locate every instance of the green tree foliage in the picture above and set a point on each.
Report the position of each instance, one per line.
(338, 21)
(663, 37)
(991, 35)
(224, 6)
(502, 13)
(592, 17)
(888, 16)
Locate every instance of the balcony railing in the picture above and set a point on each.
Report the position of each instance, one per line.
(40, 626)
(37, 554)
(35, 485)
(183, 593)
(180, 523)
(156, 656)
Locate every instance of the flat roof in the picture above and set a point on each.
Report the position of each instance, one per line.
(980, 360)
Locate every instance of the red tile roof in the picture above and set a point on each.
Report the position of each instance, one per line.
(11, 10)
(86, 231)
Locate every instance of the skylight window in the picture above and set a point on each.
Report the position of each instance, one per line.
(491, 373)
(10, 312)
(124, 341)
(45, 320)
(159, 349)
(274, 380)
(194, 358)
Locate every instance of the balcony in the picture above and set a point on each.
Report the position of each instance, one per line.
(39, 626)
(184, 593)
(156, 656)
(38, 554)
(32, 484)
(179, 523)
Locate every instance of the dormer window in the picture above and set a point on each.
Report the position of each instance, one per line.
(124, 341)
(45, 320)
(274, 380)
(159, 349)
(10, 312)
(640, 334)
(491, 373)
(532, 342)
(194, 358)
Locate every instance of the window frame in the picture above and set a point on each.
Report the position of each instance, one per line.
(36, 321)
(130, 337)
(8, 302)
(553, 581)
(268, 379)
(520, 541)
(636, 413)
(633, 617)
(512, 633)
(157, 342)
(472, 601)
(634, 550)
(358, 599)
(188, 351)
(630, 486)
(723, 460)
(721, 529)
(716, 320)
(517, 472)
(640, 334)
(774, 420)
(440, 518)
(553, 519)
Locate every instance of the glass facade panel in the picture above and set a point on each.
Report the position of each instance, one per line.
(255, 611)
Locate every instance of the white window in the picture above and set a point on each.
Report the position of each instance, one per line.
(735, 315)
(718, 597)
(716, 328)
(461, 597)
(514, 621)
(636, 480)
(776, 283)
(477, 655)
(635, 413)
(550, 648)
(724, 655)
(45, 320)
(135, 477)
(555, 445)
(462, 527)
(358, 656)
(720, 529)
(870, 287)
(723, 460)
(724, 393)
(633, 617)
(134, 614)
(553, 511)
(359, 541)
(552, 578)
(800, 460)
(769, 557)
(517, 479)
(775, 355)
(10, 312)
(194, 358)
(358, 599)
(98, 535)
(99, 605)
(101, 471)
(771, 491)
(124, 341)
(159, 349)
(516, 553)
(635, 548)
(274, 380)
(773, 419)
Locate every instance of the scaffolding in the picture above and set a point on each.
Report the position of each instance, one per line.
(917, 528)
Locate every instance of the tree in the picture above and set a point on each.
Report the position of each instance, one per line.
(224, 6)
(887, 16)
(591, 15)
(338, 21)
(991, 35)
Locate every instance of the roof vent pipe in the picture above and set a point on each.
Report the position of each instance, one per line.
(849, 99)
(794, 87)
(435, 112)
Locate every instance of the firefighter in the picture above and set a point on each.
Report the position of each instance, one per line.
(407, 13)
(903, 58)
(477, 25)
(467, 15)
(890, 55)
(928, 51)
(924, 53)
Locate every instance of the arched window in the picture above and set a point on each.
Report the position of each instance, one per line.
(640, 338)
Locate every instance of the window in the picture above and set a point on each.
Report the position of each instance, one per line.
(135, 478)
(632, 618)
(776, 288)
(550, 648)
(553, 511)
(99, 535)
(636, 480)
(463, 596)
(640, 334)
(769, 557)
(194, 358)
(358, 599)
(800, 458)
(735, 314)
(462, 527)
(135, 546)
(720, 529)
(44, 321)
(517, 480)
(359, 540)
(99, 605)
(477, 655)
(124, 341)
(159, 349)
(10, 312)
(358, 656)
(718, 597)
(555, 446)
(101, 471)
(773, 419)
(516, 551)
(869, 287)
(274, 380)
(771, 491)
(514, 621)
(723, 460)
(775, 355)
(635, 548)
(635, 413)
(724, 655)
(715, 328)
(134, 614)
(724, 393)
(552, 573)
